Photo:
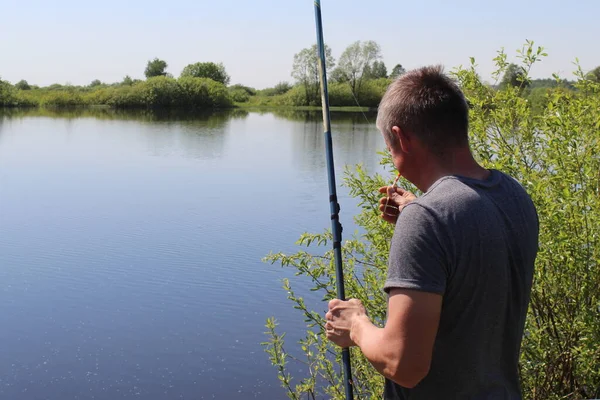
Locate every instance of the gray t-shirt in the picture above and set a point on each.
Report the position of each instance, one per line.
(475, 242)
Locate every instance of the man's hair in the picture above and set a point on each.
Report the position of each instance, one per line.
(430, 105)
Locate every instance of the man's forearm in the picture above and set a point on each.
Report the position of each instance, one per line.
(383, 352)
(371, 342)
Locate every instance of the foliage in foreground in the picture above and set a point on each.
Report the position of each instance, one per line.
(555, 154)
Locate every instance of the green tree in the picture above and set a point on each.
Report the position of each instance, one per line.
(397, 71)
(356, 60)
(127, 81)
(515, 76)
(376, 71)
(156, 67)
(279, 89)
(23, 85)
(6, 94)
(282, 88)
(305, 71)
(95, 82)
(553, 152)
(210, 70)
(594, 74)
(338, 75)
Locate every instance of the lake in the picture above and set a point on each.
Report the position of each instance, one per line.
(131, 246)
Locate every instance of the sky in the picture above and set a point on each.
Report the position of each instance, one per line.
(77, 41)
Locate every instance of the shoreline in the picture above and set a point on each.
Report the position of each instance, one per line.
(237, 106)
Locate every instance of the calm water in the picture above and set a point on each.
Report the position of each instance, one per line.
(131, 246)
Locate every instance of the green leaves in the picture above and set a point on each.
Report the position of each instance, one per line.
(553, 148)
(156, 67)
(210, 70)
(553, 151)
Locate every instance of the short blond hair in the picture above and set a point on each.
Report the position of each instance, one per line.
(429, 104)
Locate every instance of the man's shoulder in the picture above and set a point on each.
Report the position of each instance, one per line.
(453, 200)
(457, 190)
(447, 196)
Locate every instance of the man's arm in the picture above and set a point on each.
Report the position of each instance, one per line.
(402, 350)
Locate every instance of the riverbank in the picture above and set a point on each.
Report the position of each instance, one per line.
(305, 114)
(164, 92)
(190, 93)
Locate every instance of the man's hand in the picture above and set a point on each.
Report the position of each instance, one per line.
(340, 317)
(397, 198)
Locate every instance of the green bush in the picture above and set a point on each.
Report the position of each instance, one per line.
(128, 96)
(250, 91)
(57, 98)
(295, 97)
(555, 154)
(6, 94)
(160, 92)
(340, 95)
(239, 95)
(280, 88)
(26, 98)
(218, 94)
(155, 92)
(195, 92)
(372, 91)
(101, 96)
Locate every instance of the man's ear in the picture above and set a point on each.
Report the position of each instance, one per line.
(403, 139)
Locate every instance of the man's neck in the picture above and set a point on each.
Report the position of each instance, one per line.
(460, 162)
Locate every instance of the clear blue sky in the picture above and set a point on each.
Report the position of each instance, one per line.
(77, 41)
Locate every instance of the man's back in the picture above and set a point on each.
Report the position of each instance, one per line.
(475, 242)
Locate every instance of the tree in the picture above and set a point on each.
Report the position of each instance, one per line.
(594, 75)
(514, 76)
(127, 81)
(282, 87)
(356, 60)
(95, 82)
(155, 67)
(376, 71)
(7, 97)
(210, 70)
(338, 75)
(306, 71)
(22, 85)
(397, 71)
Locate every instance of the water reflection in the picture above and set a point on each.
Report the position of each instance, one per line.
(122, 245)
(355, 140)
(203, 134)
(317, 115)
(139, 115)
(199, 134)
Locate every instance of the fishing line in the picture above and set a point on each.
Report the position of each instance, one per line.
(359, 106)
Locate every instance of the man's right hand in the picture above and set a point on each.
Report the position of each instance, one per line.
(397, 198)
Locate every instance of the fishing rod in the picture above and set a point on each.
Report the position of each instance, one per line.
(334, 205)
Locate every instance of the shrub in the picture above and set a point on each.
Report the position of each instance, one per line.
(295, 97)
(7, 94)
(239, 95)
(57, 98)
(250, 91)
(280, 88)
(554, 153)
(340, 95)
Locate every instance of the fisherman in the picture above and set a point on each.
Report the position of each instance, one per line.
(461, 257)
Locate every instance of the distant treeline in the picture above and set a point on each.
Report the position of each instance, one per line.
(358, 79)
(155, 92)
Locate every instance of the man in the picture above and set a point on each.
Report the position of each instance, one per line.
(461, 260)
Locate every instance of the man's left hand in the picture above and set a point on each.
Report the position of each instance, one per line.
(340, 317)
